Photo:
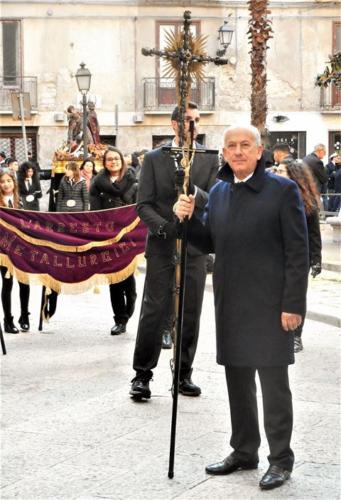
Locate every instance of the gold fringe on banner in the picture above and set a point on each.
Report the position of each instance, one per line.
(70, 288)
(69, 248)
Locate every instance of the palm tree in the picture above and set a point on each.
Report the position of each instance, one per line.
(259, 32)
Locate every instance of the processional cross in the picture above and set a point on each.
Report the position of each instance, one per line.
(185, 57)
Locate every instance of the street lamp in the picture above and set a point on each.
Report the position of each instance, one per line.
(225, 33)
(83, 77)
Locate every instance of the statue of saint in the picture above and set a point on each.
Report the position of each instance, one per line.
(74, 125)
(93, 124)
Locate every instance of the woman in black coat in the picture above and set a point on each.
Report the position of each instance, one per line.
(300, 173)
(9, 197)
(29, 186)
(116, 186)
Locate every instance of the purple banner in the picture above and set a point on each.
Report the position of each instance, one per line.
(70, 252)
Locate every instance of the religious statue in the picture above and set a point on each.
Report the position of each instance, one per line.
(93, 124)
(74, 125)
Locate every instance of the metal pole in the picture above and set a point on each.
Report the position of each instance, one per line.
(181, 269)
(22, 117)
(41, 314)
(85, 132)
(3, 346)
(116, 125)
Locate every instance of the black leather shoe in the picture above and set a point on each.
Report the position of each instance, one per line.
(187, 388)
(140, 389)
(166, 341)
(274, 477)
(9, 326)
(24, 322)
(229, 465)
(118, 329)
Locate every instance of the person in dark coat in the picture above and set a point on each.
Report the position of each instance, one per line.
(29, 186)
(116, 186)
(156, 197)
(315, 163)
(281, 151)
(300, 173)
(9, 197)
(335, 186)
(255, 223)
(72, 194)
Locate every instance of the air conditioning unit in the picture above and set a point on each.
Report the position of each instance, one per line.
(138, 118)
(59, 117)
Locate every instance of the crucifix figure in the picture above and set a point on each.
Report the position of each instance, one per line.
(185, 60)
(185, 57)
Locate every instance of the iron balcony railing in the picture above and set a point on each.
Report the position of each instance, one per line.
(330, 98)
(159, 94)
(9, 84)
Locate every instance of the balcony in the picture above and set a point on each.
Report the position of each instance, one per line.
(9, 84)
(330, 99)
(159, 95)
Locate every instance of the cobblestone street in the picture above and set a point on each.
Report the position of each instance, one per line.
(71, 431)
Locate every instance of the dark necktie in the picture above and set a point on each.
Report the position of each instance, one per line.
(10, 204)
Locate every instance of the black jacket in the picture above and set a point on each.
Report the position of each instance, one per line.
(77, 192)
(26, 194)
(317, 169)
(314, 237)
(106, 194)
(157, 195)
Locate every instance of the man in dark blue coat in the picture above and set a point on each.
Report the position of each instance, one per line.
(255, 224)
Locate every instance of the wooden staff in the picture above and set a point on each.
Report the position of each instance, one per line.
(182, 184)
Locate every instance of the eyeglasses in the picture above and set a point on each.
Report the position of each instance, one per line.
(116, 160)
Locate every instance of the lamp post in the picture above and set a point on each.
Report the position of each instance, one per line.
(83, 77)
(225, 33)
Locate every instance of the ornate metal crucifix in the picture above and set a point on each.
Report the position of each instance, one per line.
(186, 58)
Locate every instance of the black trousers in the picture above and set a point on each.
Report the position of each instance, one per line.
(6, 295)
(277, 409)
(158, 289)
(123, 297)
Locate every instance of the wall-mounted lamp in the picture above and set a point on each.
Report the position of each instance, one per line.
(225, 37)
(280, 118)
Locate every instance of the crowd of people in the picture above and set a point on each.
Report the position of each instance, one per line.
(259, 215)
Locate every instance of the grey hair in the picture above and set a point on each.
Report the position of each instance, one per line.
(249, 128)
(320, 146)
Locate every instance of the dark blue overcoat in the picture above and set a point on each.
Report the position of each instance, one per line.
(257, 230)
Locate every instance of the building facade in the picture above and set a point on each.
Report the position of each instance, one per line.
(43, 44)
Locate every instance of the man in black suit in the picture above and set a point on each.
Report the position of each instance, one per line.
(315, 164)
(255, 223)
(156, 197)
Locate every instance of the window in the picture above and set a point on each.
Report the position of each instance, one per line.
(334, 141)
(166, 85)
(11, 141)
(11, 57)
(165, 27)
(296, 141)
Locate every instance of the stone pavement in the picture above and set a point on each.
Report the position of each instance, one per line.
(324, 291)
(70, 430)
